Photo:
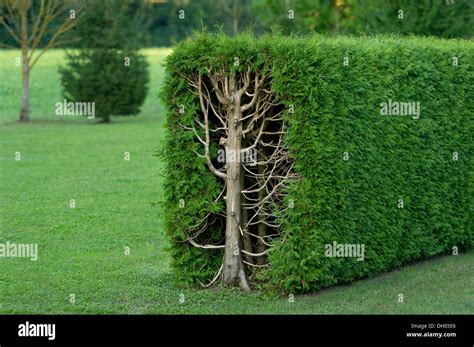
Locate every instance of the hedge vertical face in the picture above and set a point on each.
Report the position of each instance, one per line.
(378, 131)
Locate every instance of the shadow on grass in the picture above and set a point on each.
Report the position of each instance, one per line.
(85, 122)
(388, 275)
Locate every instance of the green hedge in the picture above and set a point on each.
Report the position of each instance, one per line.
(337, 116)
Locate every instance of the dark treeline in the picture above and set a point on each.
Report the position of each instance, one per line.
(165, 22)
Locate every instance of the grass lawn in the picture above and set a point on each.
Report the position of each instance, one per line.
(81, 250)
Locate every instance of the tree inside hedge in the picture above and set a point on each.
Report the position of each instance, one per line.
(108, 69)
(240, 131)
(399, 187)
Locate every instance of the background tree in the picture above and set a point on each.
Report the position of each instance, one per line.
(108, 68)
(299, 16)
(236, 14)
(28, 23)
(230, 16)
(102, 76)
(444, 18)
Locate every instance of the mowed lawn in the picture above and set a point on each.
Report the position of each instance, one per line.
(82, 249)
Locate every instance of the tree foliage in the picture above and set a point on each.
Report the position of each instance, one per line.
(443, 18)
(102, 76)
(163, 25)
(107, 69)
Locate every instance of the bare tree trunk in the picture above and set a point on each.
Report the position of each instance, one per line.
(25, 71)
(247, 242)
(262, 228)
(236, 26)
(233, 271)
(235, 16)
(25, 97)
(20, 16)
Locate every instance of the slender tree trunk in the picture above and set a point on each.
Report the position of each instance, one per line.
(236, 26)
(25, 96)
(25, 71)
(233, 273)
(235, 16)
(262, 228)
(247, 242)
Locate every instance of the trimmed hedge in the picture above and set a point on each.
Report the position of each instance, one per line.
(354, 163)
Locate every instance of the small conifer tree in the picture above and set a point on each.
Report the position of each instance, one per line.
(107, 69)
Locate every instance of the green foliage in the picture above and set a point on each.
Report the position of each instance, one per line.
(444, 18)
(337, 109)
(189, 190)
(300, 16)
(160, 25)
(112, 24)
(100, 76)
(431, 17)
(107, 69)
(230, 16)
